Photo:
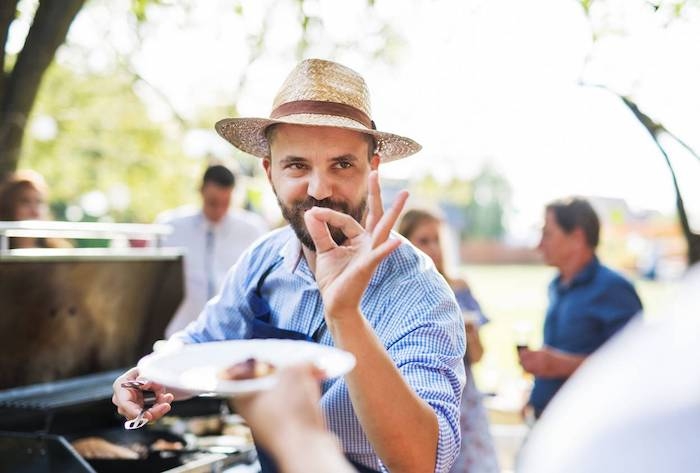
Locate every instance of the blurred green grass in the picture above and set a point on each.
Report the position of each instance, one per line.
(517, 294)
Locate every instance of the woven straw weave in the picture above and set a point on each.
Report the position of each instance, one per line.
(323, 81)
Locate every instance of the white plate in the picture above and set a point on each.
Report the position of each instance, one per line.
(195, 368)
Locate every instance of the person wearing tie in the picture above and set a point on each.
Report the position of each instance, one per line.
(213, 236)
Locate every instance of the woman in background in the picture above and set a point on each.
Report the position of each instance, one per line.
(477, 453)
(23, 197)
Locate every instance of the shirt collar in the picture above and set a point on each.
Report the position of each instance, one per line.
(294, 260)
(291, 253)
(584, 276)
(202, 221)
(215, 226)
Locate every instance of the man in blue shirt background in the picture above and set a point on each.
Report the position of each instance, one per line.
(588, 302)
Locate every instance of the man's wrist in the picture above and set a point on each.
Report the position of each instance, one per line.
(341, 321)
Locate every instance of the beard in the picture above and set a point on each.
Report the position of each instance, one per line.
(294, 215)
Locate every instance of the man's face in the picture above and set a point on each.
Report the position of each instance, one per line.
(215, 201)
(556, 246)
(30, 204)
(322, 167)
(426, 237)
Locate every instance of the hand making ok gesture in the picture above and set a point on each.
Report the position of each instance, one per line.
(344, 271)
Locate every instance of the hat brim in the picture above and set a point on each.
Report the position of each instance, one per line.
(248, 134)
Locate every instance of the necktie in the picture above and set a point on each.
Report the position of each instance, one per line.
(209, 263)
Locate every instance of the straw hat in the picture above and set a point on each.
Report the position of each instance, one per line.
(317, 93)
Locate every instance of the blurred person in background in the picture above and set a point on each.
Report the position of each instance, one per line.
(477, 452)
(23, 197)
(588, 302)
(214, 236)
(634, 405)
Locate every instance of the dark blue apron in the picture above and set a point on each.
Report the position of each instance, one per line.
(263, 328)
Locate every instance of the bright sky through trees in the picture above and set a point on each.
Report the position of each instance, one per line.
(496, 80)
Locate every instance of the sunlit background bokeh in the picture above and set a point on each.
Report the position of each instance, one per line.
(515, 103)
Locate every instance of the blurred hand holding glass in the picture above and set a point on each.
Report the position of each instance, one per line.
(522, 333)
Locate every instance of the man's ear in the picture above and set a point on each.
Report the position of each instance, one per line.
(374, 162)
(580, 237)
(267, 166)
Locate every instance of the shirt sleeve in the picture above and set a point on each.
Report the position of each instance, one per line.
(619, 303)
(428, 351)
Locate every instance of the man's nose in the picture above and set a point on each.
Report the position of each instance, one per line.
(319, 187)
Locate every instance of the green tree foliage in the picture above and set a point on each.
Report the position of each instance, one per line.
(476, 208)
(456, 191)
(486, 210)
(105, 141)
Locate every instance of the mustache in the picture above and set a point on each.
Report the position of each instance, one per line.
(329, 203)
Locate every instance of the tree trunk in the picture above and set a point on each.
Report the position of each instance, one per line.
(7, 15)
(655, 129)
(19, 88)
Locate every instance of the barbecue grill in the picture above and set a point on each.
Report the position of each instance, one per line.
(71, 321)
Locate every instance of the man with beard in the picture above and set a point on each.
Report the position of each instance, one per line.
(338, 276)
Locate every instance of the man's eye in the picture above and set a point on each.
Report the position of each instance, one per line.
(296, 166)
(344, 164)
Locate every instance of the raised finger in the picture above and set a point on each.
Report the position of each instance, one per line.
(319, 232)
(380, 252)
(374, 201)
(384, 226)
(348, 225)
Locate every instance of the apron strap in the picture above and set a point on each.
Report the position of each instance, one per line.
(262, 328)
(261, 325)
(362, 468)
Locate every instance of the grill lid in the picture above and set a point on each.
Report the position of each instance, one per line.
(73, 315)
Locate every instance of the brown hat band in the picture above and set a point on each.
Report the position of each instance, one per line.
(317, 107)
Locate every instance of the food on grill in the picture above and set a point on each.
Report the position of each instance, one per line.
(162, 444)
(96, 447)
(204, 425)
(249, 369)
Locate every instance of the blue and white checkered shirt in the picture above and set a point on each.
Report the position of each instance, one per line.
(409, 305)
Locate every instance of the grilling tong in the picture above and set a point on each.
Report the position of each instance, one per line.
(149, 399)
